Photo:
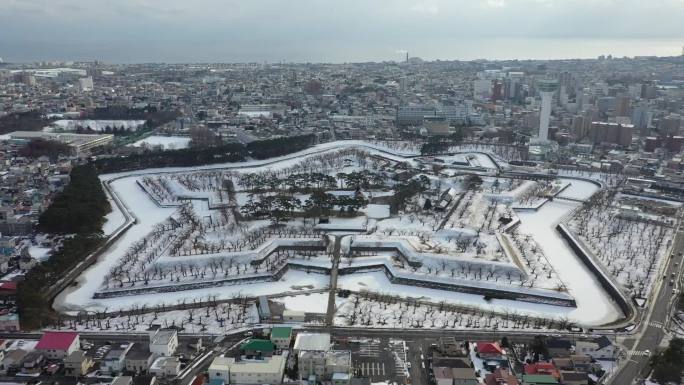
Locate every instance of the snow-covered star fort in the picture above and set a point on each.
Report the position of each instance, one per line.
(472, 239)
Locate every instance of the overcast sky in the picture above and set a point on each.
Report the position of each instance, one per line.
(344, 30)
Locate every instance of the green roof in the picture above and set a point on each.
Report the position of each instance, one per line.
(539, 379)
(258, 345)
(281, 332)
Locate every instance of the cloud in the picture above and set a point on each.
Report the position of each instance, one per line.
(425, 8)
(496, 3)
(311, 29)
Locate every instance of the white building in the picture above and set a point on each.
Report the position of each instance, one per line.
(220, 368)
(163, 342)
(315, 356)
(323, 364)
(165, 367)
(58, 345)
(312, 342)
(293, 316)
(482, 89)
(115, 360)
(265, 371)
(598, 349)
(86, 84)
(546, 89)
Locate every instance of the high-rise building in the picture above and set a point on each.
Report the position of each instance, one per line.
(612, 133)
(86, 84)
(546, 89)
(482, 89)
(642, 119)
(622, 104)
(27, 78)
(497, 90)
(670, 125)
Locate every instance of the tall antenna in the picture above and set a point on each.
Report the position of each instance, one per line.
(406, 57)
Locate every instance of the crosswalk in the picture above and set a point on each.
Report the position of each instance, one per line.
(656, 324)
(371, 369)
(638, 353)
(399, 353)
(369, 349)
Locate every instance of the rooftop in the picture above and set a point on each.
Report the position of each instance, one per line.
(312, 341)
(56, 340)
(281, 332)
(258, 345)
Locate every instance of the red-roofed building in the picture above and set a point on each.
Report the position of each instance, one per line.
(8, 289)
(543, 368)
(490, 350)
(58, 345)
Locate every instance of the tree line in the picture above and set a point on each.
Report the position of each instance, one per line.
(79, 211)
(269, 148)
(80, 208)
(196, 156)
(153, 116)
(41, 147)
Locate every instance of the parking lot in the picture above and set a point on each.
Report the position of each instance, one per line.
(377, 359)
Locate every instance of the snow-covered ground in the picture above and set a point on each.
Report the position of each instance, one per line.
(594, 306)
(219, 319)
(113, 220)
(149, 214)
(166, 142)
(309, 303)
(377, 282)
(39, 253)
(629, 243)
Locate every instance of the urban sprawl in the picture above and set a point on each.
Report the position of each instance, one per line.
(415, 222)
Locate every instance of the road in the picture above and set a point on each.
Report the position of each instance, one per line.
(330, 313)
(653, 323)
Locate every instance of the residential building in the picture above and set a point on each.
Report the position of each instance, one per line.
(77, 364)
(542, 368)
(281, 336)
(559, 347)
(32, 362)
(139, 358)
(266, 371)
(166, 367)
(599, 348)
(454, 376)
(293, 316)
(13, 359)
(163, 342)
(323, 364)
(611, 133)
(257, 348)
(115, 360)
(501, 376)
(341, 379)
(581, 362)
(489, 350)
(574, 378)
(9, 322)
(312, 342)
(220, 368)
(538, 379)
(58, 345)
